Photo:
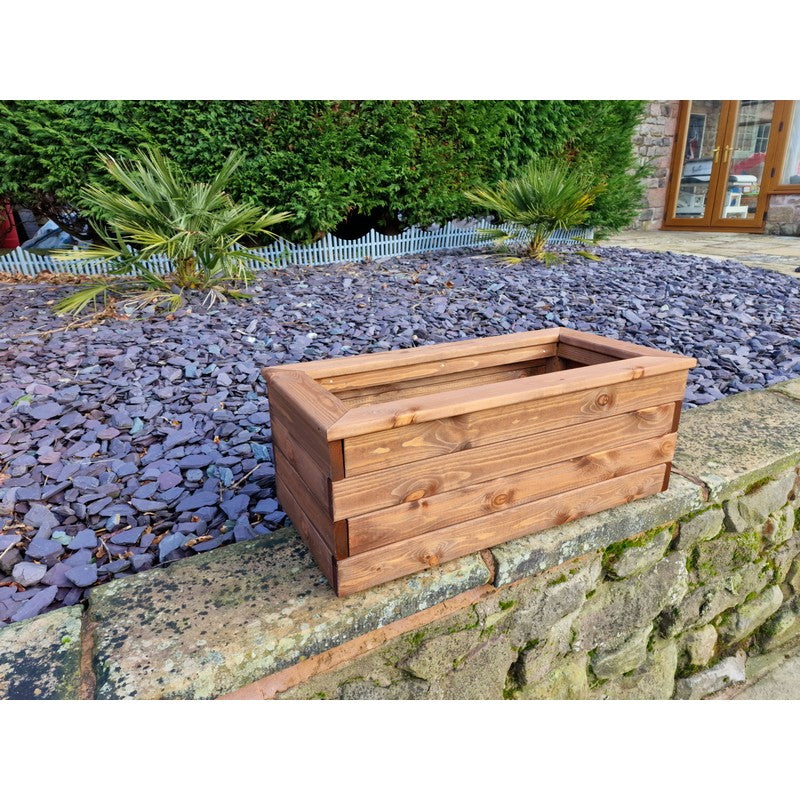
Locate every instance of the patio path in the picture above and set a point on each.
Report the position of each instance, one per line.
(778, 253)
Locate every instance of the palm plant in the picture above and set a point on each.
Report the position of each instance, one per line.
(161, 211)
(547, 196)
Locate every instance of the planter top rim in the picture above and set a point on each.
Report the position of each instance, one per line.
(327, 414)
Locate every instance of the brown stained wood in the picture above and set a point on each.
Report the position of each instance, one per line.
(334, 534)
(316, 477)
(582, 356)
(349, 365)
(612, 347)
(303, 438)
(320, 552)
(423, 455)
(431, 549)
(434, 368)
(368, 531)
(311, 405)
(400, 413)
(411, 443)
(408, 482)
(394, 391)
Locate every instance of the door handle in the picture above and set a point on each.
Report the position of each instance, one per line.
(715, 152)
(726, 154)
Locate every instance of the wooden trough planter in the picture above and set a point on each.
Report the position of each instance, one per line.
(394, 462)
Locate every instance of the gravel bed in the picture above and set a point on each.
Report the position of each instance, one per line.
(146, 440)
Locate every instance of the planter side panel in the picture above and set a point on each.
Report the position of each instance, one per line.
(376, 451)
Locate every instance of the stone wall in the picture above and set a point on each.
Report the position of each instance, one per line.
(783, 215)
(652, 143)
(673, 612)
(678, 595)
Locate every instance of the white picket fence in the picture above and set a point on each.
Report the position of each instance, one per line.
(329, 250)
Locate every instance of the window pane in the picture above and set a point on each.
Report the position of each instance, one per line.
(745, 162)
(791, 164)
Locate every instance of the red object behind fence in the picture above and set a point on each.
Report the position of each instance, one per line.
(8, 229)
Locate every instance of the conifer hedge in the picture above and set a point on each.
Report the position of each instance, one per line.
(336, 165)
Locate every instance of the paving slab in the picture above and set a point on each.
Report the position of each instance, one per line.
(205, 626)
(789, 388)
(780, 683)
(731, 444)
(776, 253)
(40, 657)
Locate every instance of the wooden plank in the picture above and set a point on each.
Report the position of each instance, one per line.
(583, 356)
(399, 413)
(308, 402)
(441, 383)
(304, 422)
(431, 549)
(391, 373)
(421, 355)
(316, 478)
(376, 529)
(404, 445)
(311, 538)
(333, 534)
(384, 488)
(611, 347)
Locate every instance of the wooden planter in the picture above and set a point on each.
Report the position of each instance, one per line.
(394, 462)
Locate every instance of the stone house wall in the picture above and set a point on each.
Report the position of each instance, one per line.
(783, 215)
(652, 143)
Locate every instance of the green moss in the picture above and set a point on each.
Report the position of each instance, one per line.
(615, 550)
(757, 485)
(560, 579)
(698, 512)
(747, 549)
(506, 604)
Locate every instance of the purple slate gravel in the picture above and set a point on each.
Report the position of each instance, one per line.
(141, 435)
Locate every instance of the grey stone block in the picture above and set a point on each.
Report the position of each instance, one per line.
(40, 657)
(736, 441)
(620, 607)
(698, 645)
(629, 655)
(750, 510)
(215, 622)
(653, 680)
(728, 672)
(744, 619)
(639, 555)
(700, 528)
(541, 551)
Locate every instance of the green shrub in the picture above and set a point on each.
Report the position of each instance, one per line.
(335, 165)
(163, 212)
(547, 196)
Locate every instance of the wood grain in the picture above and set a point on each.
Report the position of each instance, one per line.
(315, 476)
(311, 405)
(320, 552)
(349, 365)
(379, 528)
(383, 393)
(613, 347)
(434, 368)
(392, 486)
(400, 413)
(334, 534)
(582, 356)
(411, 443)
(431, 549)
